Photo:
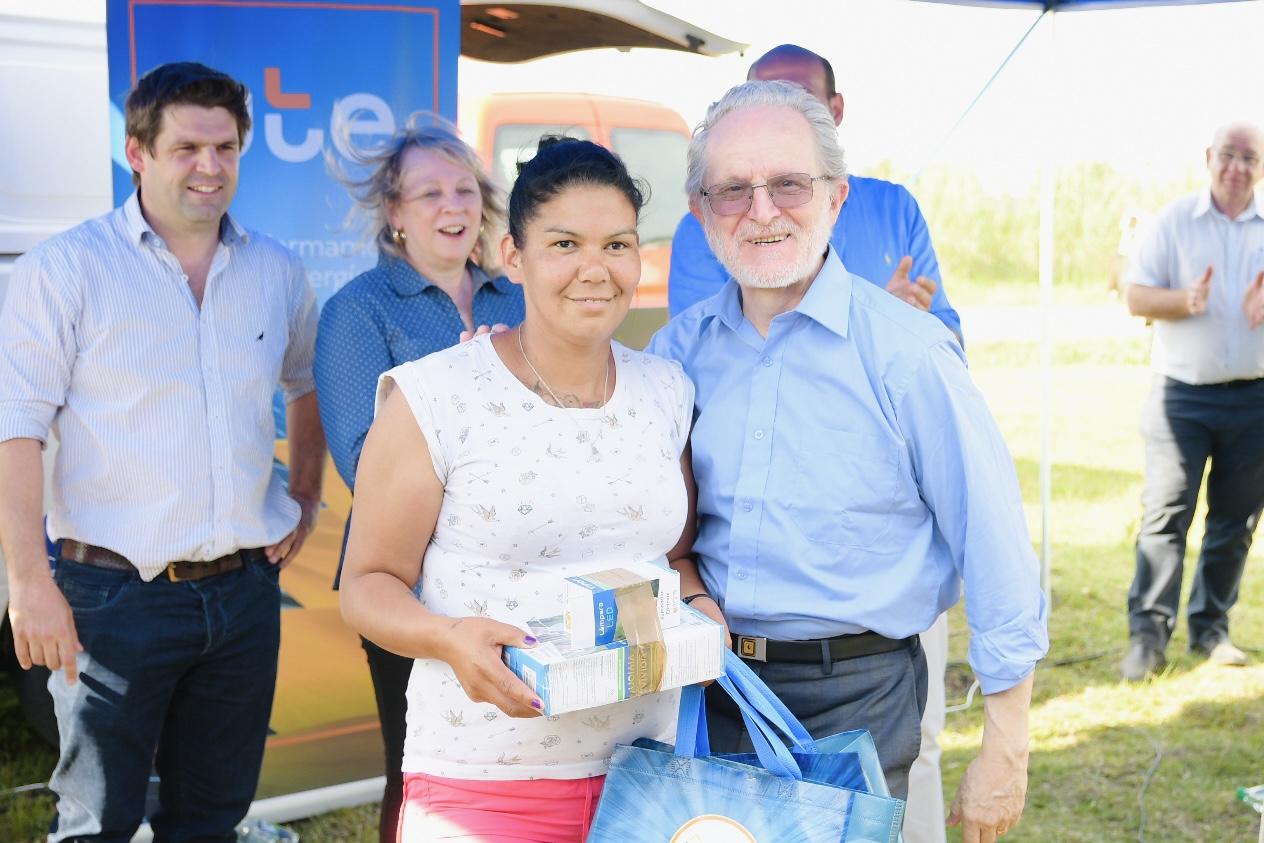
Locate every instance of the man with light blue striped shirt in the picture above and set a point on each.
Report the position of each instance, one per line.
(151, 341)
(849, 474)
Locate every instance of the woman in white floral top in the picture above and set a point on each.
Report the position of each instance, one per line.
(494, 470)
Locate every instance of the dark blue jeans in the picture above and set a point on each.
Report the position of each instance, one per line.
(1185, 426)
(177, 674)
(885, 694)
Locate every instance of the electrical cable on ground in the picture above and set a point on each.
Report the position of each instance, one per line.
(974, 686)
(1154, 766)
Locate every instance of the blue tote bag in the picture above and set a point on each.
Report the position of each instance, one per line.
(789, 790)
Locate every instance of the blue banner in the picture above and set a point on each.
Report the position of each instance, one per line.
(307, 64)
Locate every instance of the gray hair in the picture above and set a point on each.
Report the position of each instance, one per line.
(764, 93)
(382, 185)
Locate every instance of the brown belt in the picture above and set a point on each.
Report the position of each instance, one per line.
(100, 557)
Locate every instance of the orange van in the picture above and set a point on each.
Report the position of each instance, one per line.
(652, 140)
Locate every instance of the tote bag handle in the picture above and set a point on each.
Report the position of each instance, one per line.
(765, 716)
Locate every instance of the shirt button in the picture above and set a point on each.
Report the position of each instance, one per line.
(767, 361)
(759, 434)
(741, 575)
(748, 506)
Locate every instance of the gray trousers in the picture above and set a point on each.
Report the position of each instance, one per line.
(885, 694)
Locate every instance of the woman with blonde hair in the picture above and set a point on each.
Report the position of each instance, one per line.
(432, 210)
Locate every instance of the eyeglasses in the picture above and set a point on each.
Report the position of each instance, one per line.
(1227, 157)
(788, 190)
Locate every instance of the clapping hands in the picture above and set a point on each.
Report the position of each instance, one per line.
(918, 293)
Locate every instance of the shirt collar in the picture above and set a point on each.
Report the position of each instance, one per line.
(138, 228)
(827, 301)
(408, 282)
(1204, 206)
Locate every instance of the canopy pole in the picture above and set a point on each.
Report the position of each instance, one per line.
(1048, 191)
(943, 141)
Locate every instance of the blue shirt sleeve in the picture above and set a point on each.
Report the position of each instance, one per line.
(966, 476)
(926, 263)
(351, 352)
(695, 274)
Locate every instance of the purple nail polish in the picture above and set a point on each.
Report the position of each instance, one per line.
(537, 705)
(530, 640)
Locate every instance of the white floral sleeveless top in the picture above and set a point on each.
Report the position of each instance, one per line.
(532, 494)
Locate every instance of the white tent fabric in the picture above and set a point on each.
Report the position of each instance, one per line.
(1048, 179)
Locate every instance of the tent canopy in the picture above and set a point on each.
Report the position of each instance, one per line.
(520, 30)
(1076, 5)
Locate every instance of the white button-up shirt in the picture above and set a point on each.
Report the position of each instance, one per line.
(163, 409)
(1187, 236)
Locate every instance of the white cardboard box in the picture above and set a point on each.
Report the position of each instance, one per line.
(571, 679)
(591, 614)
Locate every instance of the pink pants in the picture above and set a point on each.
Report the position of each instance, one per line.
(529, 811)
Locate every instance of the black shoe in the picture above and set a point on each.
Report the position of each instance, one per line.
(1142, 662)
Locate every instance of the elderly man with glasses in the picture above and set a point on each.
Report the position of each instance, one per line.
(849, 473)
(880, 234)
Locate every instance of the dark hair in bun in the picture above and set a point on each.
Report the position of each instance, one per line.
(559, 163)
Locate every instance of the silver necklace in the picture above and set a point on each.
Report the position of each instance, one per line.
(605, 384)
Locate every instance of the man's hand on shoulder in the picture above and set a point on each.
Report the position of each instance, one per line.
(919, 292)
(498, 328)
(43, 626)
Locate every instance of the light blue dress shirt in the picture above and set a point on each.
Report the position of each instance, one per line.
(879, 224)
(162, 404)
(850, 476)
(1186, 237)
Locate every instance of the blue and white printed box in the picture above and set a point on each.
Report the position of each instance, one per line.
(591, 614)
(567, 678)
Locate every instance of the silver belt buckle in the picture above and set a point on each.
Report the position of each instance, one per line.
(750, 647)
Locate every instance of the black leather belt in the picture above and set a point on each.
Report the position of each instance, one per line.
(101, 557)
(823, 649)
(1238, 384)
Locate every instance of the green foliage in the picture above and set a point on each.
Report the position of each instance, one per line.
(992, 237)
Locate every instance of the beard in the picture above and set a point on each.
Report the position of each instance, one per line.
(812, 242)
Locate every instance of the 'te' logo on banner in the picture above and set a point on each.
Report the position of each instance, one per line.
(355, 114)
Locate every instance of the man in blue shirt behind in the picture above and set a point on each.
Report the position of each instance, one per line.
(849, 473)
(880, 233)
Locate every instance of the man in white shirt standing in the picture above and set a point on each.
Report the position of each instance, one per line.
(1199, 275)
(151, 341)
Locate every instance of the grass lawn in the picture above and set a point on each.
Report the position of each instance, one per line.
(1179, 745)
(1183, 741)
